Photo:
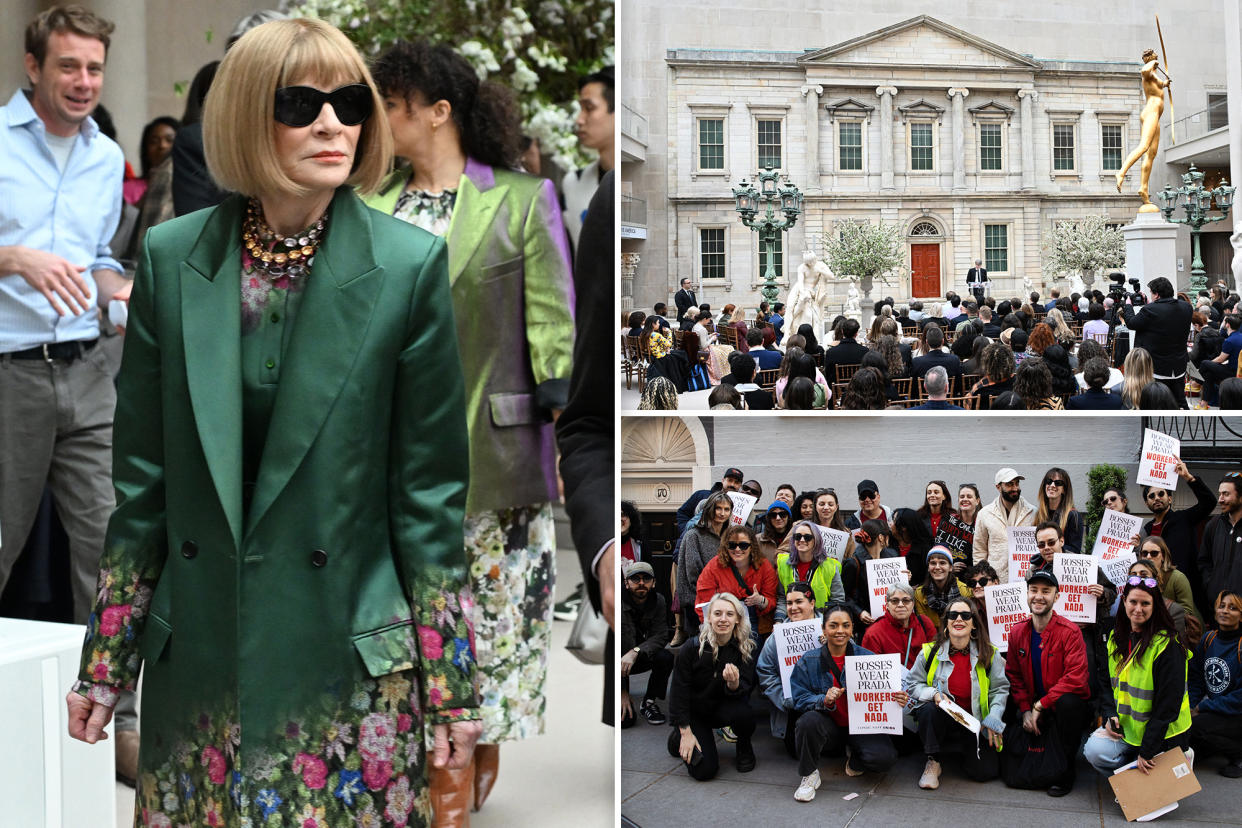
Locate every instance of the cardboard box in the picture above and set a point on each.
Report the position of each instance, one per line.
(1170, 781)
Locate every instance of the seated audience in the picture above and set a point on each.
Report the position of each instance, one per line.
(998, 369)
(866, 391)
(725, 397)
(936, 389)
(1096, 398)
(659, 395)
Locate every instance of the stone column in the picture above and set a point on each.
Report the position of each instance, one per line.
(126, 83)
(1028, 96)
(957, 95)
(1233, 80)
(812, 92)
(886, 94)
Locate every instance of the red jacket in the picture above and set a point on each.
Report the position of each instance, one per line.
(716, 578)
(1064, 663)
(884, 636)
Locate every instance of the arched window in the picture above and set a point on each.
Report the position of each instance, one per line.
(925, 228)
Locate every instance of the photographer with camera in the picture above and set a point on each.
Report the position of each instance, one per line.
(1162, 327)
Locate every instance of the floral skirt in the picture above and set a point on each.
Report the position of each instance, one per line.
(512, 557)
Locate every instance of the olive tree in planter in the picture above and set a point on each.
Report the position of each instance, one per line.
(864, 250)
(1100, 479)
(1087, 246)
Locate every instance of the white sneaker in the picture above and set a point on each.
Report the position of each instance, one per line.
(1190, 757)
(930, 780)
(808, 787)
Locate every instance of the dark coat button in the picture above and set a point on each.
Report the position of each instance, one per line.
(319, 557)
(189, 549)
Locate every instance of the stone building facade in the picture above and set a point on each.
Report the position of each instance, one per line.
(972, 148)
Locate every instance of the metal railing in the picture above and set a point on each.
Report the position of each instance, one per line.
(1202, 122)
(633, 125)
(633, 211)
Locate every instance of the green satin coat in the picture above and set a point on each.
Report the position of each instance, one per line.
(513, 298)
(351, 549)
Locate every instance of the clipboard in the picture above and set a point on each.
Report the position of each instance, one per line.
(1170, 781)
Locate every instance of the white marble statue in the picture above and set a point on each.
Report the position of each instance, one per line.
(808, 296)
(853, 310)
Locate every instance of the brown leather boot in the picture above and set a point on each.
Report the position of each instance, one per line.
(450, 796)
(486, 766)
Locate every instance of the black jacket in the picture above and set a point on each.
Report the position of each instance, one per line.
(1096, 399)
(1169, 675)
(697, 686)
(925, 363)
(1220, 557)
(644, 625)
(1161, 327)
(846, 352)
(1180, 527)
(684, 300)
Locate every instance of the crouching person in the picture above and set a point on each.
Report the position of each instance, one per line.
(818, 686)
(712, 678)
(799, 603)
(960, 665)
(644, 634)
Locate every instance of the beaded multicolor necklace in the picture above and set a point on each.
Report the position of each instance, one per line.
(278, 256)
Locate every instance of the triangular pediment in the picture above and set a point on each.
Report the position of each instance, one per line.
(849, 106)
(992, 108)
(920, 41)
(922, 108)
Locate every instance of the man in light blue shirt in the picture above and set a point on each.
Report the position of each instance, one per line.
(62, 185)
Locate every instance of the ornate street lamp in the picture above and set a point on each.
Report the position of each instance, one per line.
(1196, 200)
(775, 196)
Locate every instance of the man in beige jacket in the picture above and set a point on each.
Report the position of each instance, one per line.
(992, 526)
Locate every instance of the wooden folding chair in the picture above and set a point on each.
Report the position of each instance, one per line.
(845, 373)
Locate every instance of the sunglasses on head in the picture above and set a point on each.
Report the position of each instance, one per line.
(979, 582)
(1135, 580)
(963, 615)
(799, 536)
(743, 545)
(299, 106)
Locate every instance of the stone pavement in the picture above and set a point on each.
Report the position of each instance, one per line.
(656, 791)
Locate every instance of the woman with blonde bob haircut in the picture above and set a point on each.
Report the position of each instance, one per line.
(290, 498)
(712, 680)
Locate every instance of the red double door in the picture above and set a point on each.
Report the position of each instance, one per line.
(925, 267)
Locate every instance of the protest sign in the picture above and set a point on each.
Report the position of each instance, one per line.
(1075, 573)
(834, 541)
(1118, 569)
(1113, 549)
(793, 638)
(881, 574)
(958, 536)
(1160, 452)
(742, 504)
(1021, 549)
(1006, 606)
(870, 684)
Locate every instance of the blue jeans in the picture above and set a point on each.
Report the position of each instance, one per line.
(1106, 755)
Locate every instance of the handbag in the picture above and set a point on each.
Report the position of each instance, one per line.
(589, 636)
(1032, 760)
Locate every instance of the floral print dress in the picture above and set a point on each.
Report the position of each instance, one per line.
(512, 556)
(354, 757)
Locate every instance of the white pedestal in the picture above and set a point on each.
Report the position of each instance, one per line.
(1151, 248)
(46, 778)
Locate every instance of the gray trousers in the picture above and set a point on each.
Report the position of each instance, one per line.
(56, 431)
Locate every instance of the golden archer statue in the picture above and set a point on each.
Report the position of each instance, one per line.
(1149, 140)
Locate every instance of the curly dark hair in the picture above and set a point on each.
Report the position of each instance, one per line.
(865, 392)
(636, 519)
(1033, 382)
(998, 362)
(1041, 338)
(486, 114)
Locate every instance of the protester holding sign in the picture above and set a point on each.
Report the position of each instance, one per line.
(958, 537)
(811, 563)
(1116, 500)
(1056, 503)
(1004, 606)
(819, 686)
(873, 545)
(960, 665)
(799, 606)
(740, 569)
(937, 502)
(899, 629)
(712, 679)
(700, 544)
(1115, 540)
(1047, 670)
(1216, 687)
(1179, 527)
(980, 576)
(828, 515)
(1148, 711)
(995, 519)
(1158, 460)
(940, 585)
